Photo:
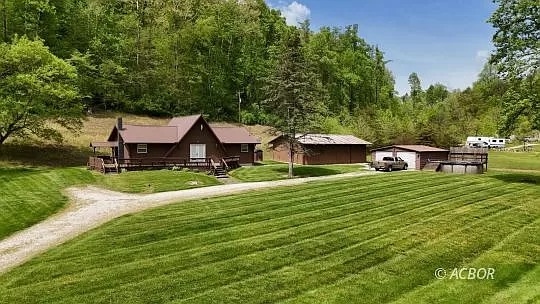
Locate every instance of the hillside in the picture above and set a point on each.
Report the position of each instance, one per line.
(74, 150)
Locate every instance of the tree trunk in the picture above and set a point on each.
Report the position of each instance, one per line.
(291, 158)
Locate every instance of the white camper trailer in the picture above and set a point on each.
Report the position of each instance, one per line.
(497, 142)
(485, 142)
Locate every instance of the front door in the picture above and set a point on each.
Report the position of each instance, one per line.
(197, 152)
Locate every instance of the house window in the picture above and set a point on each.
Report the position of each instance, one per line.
(142, 148)
(197, 152)
(244, 148)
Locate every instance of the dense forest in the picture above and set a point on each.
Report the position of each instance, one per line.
(218, 57)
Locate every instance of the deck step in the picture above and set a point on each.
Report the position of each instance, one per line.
(219, 172)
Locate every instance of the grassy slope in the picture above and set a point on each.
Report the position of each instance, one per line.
(156, 181)
(380, 241)
(74, 151)
(277, 171)
(28, 196)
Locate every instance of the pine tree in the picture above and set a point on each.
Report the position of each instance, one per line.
(293, 95)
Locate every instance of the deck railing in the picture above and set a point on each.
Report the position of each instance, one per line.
(164, 163)
(97, 163)
(106, 164)
(230, 162)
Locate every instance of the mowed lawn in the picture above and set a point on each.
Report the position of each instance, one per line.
(156, 181)
(30, 195)
(277, 171)
(514, 160)
(372, 239)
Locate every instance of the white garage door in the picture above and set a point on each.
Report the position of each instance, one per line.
(380, 154)
(409, 157)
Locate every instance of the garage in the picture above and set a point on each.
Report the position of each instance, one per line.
(409, 157)
(381, 154)
(320, 149)
(416, 156)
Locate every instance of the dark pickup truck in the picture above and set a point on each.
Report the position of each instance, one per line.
(389, 163)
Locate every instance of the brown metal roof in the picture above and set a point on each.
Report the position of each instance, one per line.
(415, 148)
(183, 124)
(234, 135)
(330, 139)
(177, 128)
(149, 134)
(327, 139)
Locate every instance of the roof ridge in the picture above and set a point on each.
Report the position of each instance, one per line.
(138, 125)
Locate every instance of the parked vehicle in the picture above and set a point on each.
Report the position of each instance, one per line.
(390, 163)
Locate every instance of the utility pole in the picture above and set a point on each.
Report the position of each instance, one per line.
(239, 102)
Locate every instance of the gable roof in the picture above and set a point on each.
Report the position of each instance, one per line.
(327, 139)
(415, 148)
(234, 135)
(176, 129)
(184, 124)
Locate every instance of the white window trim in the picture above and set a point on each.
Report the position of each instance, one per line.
(242, 146)
(197, 152)
(142, 148)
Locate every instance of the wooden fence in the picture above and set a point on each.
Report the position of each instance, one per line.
(469, 155)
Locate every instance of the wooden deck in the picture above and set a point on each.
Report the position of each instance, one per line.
(106, 164)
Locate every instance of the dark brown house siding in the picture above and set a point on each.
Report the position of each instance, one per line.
(280, 152)
(322, 154)
(153, 151)
(236, 150)
(334, 154)
(200, 133)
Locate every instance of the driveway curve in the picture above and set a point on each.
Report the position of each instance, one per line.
(91, 207)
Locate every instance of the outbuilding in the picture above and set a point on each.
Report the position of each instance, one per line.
(416, 156)
(320, 149)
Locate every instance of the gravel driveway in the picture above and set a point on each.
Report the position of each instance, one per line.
(91, 207)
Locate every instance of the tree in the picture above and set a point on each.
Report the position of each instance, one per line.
(294, 96)
(517, 58)
(436, 93)
(416, 87)
(36, 89)
(517, 36)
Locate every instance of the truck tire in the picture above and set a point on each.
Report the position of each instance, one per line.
(405, 167)
(389, 169)
(376, 169)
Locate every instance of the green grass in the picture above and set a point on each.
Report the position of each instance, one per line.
(275, 171)
(373, 239)
(30, 195)
(156, 181)
(514, 160)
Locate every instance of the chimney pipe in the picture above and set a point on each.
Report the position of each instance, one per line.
(119, 124)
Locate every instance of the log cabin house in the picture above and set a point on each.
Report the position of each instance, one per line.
(186, 142)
